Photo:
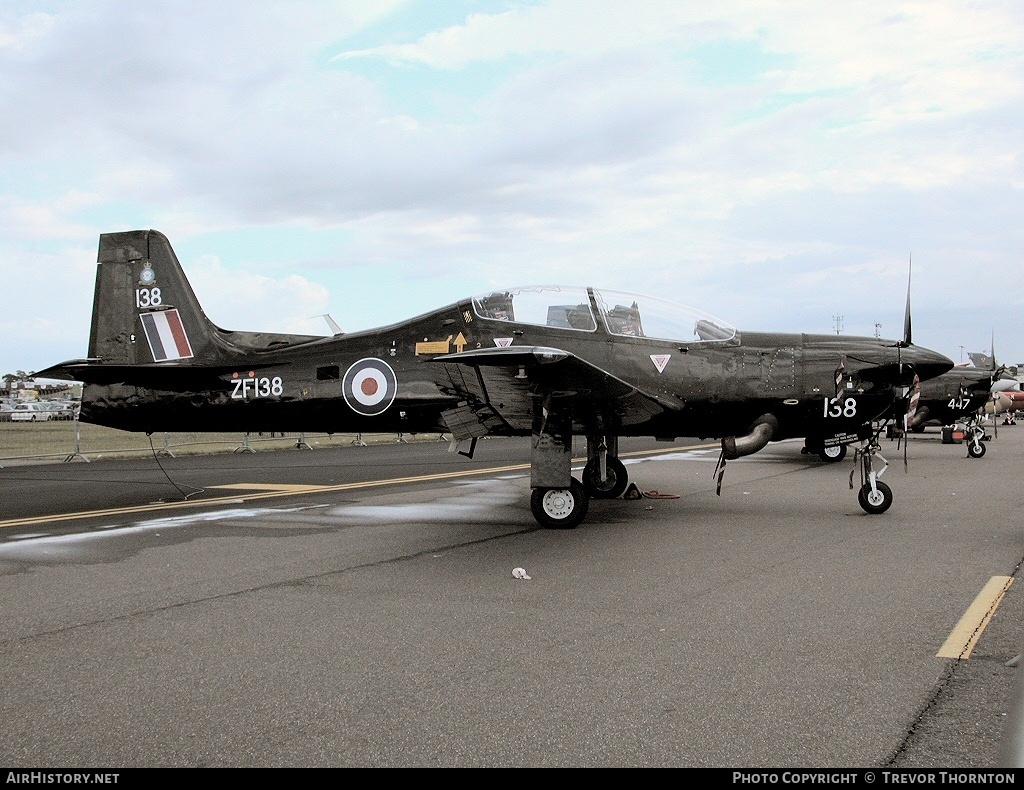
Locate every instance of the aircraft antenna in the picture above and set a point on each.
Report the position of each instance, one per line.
(335, 329)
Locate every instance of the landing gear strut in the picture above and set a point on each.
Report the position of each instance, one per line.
(604, 476)
(874, 496)
(559, 500)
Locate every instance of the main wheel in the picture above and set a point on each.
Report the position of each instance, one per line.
(560, 508)
(877, 501)
(976, 449)
(613, 485)
(834, 454)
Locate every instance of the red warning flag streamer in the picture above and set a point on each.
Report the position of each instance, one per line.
(915, 396)
(840, 373)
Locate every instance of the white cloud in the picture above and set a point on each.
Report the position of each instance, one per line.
(255, 302)
(18, 32)
(27, 219)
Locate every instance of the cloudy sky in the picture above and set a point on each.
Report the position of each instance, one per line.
(776, 164)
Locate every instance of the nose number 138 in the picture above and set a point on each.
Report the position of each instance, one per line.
(836, 407)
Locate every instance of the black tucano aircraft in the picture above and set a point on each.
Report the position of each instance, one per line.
(545, 362)
(952, 397)
(959, 396)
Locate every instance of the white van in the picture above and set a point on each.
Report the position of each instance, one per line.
(32, 412)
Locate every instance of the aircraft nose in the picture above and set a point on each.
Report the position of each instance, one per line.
(927, 363)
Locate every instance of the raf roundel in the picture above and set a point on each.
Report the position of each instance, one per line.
(369, 386)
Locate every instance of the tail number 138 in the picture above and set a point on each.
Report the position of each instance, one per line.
(148, 297)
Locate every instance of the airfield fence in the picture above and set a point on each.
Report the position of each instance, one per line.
(66, 441)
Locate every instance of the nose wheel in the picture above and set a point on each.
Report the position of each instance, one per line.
(976, 442)
(875, 500)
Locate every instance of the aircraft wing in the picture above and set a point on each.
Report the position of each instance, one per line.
(510, 380)
(161, 376)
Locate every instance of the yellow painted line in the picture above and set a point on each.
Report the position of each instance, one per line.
(967, 632)
(284, 488)
(262, 491)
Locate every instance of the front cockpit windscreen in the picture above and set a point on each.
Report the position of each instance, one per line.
(566, 308)
(631, 315)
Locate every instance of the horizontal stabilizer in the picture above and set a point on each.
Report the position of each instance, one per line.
(170, 378)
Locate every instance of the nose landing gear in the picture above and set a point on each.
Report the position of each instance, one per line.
(975, 440)
(874, 496)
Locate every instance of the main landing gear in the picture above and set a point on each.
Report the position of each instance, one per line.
(833, 454)
(560, 508)
(604, 476)
(874, 496)
(560, 501)
(830, 454)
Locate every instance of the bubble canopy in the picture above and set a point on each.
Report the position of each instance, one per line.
(623, 314)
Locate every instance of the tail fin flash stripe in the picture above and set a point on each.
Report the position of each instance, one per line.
(178, 333)
(166, 336)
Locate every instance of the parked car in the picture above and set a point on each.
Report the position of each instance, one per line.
(32, 412)
(62, 409)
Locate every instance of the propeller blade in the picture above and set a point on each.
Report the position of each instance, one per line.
(998, 371)
(906, 315)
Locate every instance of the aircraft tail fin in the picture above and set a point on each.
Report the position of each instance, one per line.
(144, 309)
